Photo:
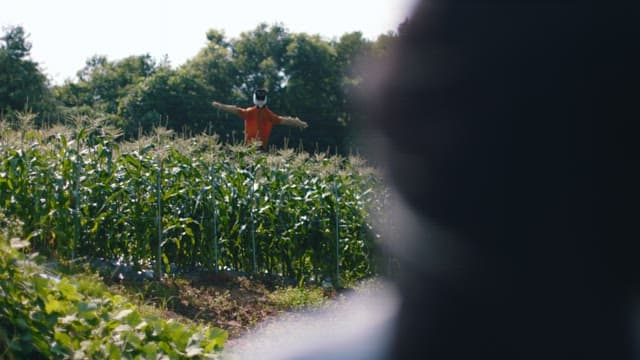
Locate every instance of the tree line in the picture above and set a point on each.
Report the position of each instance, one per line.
(306, 76)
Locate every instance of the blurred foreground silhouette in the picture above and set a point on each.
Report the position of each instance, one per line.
(504, 126)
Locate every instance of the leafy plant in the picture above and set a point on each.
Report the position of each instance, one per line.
(179, 204)
(44, 316)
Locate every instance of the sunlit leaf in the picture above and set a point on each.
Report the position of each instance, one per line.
(18, 243)
(54, 306)
(193, 350)
(122, 314)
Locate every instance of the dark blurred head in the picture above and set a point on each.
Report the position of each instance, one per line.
(500, 124)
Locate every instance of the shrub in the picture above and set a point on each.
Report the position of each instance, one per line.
(44, 316)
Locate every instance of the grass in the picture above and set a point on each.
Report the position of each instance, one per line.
(294, 298)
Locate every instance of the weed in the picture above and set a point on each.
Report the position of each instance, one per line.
(295, 298)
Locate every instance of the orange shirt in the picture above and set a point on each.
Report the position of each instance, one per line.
(258, 123)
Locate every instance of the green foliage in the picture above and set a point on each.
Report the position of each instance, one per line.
(22, 84)
(177, 99)
(295, 298)
(80, 193)
(261, 57)
(213, 64)
(307, 76)
(103, 83)
(313, 91)
(43, 316)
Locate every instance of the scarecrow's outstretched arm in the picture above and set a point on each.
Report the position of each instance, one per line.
(292, 121)
(228, 108)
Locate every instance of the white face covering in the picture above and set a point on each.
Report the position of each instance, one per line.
(259, 103)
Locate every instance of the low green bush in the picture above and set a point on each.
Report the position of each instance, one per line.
(46, 316)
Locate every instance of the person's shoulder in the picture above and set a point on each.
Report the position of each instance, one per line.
(274, 117)
(249, 109)
(270, 111)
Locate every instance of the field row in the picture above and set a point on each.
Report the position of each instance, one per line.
(192, 204)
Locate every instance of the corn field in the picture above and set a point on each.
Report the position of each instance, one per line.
(172, 203)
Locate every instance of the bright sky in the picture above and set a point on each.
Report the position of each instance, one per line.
(65, 33)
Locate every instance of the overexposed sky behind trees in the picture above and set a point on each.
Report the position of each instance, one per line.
(65, 33)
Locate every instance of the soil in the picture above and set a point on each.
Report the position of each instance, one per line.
(235, 303)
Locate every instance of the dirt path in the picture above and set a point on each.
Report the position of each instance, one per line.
(355, 326)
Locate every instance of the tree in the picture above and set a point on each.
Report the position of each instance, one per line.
(383, 44)
(351, 50)
(22, 85)
(215, 66)
(177, 99)
(306, 76)
(313, 91)
(260, 57)
(101, 83)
